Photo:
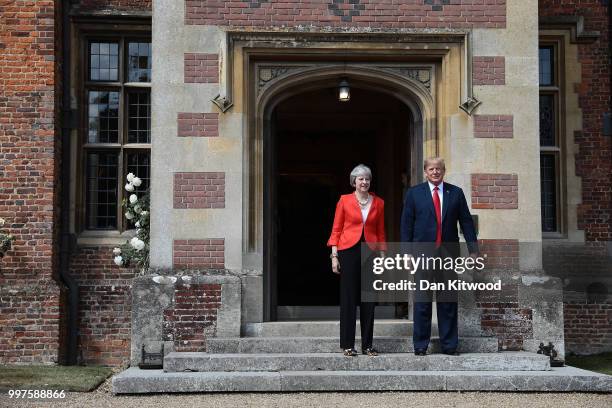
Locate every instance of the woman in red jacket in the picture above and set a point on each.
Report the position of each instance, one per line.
(360, 216)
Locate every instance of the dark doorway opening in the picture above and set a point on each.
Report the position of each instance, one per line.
(317, 141)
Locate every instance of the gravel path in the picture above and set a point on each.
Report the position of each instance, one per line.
(102, 397)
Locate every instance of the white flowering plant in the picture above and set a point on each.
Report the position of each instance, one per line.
(135, 252)
(6, 240)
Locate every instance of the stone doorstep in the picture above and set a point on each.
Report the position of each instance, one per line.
(383, 327)
(564, 379)
(204, 362)
(331, 344)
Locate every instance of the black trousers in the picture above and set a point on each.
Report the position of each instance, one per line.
(350, 298)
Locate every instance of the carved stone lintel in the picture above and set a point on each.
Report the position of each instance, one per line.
(469, 105)
(419, 74)
(266, 74)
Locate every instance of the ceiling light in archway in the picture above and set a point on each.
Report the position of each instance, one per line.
(344, 91)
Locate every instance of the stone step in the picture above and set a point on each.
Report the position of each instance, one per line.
(332, 344)
(382, 327)
(135, 381)
(506, 361)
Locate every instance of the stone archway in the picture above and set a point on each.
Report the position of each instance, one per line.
(400, 84)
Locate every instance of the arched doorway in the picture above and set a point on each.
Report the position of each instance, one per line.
(311, 141)
(317, 142)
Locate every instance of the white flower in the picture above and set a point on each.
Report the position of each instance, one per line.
(144, 213)
(129, 215)
(118, 260)
(137, 209)
(129, 187)
(137, 181)
(137, 225)
(130, 177)
(117, 251)
(2, 222)
(133, 198)
(137, 231)
(137, 244)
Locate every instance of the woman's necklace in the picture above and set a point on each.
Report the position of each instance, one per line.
(362, 203)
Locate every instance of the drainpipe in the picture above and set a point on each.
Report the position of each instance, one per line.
(65, 236)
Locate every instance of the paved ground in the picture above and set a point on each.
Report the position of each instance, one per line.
(104, 398)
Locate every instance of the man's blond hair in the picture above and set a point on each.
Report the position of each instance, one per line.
(434, 159)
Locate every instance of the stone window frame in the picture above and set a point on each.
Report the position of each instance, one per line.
(557, 151)
(87, 29)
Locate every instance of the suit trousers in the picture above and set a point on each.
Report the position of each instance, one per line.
(446, 307)
(350, 298)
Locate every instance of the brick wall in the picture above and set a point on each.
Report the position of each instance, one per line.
(105, 306)
(494, 191)
(30, 296)
(354, 13)
(114, 5)
(500, 253)
(199, 190)
(192, 316)
(489, 70)
(502, 315)
(198, 124)
(494, 126)
(198, 253)
(588, 326)
(594, 157)
(201, 68)
(29, 323)
(586, 270)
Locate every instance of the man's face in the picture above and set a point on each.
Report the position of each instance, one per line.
(434, 172)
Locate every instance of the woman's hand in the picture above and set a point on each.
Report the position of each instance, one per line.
(335, 265)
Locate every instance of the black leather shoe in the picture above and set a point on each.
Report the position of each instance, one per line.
(370, 351)
(450, 352)
(420, 352)
(350, 353)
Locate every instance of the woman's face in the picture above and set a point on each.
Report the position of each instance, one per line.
(362, 183)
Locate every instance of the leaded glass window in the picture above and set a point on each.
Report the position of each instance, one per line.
(117, 125)
(550, 137)
(548, 186)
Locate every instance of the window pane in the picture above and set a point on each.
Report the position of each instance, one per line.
(102, 190)
(549, 192)
(139, 65)
(139, 163)
(103, 113)
(139, 117)
(547, 120)
(103, 61)
(546, 66)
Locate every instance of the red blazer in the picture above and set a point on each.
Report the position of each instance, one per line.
(348, 223)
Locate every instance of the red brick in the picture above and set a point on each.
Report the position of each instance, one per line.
(494, 126)
(201, 68)
(375, 14)
(494, 191)
(187, 197)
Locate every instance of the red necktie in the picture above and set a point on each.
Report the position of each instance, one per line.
(436, 201)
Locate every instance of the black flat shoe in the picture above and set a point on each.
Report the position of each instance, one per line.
(420, 352)
(450, 352)
(350, 353)
(370, 352)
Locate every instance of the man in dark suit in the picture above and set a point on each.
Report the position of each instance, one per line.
(431, 212)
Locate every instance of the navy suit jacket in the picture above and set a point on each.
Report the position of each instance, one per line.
(419, 223)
